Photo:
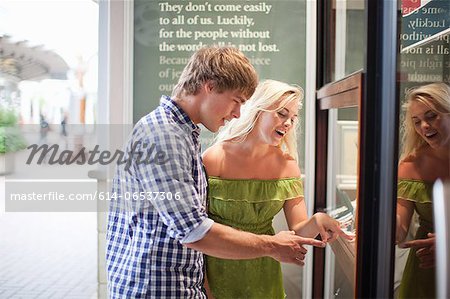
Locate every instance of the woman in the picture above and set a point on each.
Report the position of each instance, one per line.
(425, 158)
(253, 174)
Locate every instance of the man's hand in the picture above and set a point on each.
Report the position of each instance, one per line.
(426, 250)
(288, 247)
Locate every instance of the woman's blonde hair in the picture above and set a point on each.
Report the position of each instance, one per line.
(267, 94)
(437, 97)
(226, 68)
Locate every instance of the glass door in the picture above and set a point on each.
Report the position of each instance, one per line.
(424, 95)
(358, 35)
(341, 55)
(341, 102)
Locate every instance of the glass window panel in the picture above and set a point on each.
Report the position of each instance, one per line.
(341, 203)
(164, 38)
(423, 60)
(347, 39)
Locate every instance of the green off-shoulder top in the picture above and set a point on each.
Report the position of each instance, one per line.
(249, 205)
(418, 282)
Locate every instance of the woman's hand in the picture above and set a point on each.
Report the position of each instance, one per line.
(329, 228)
(426, 250)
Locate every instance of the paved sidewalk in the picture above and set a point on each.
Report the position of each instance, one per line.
(48, 255)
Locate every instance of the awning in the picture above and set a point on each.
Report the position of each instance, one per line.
(30, 63)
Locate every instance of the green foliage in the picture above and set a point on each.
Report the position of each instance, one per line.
(11, 139)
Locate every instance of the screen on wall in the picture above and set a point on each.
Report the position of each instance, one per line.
(166, 33)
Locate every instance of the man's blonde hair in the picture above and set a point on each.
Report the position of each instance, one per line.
(226, 68)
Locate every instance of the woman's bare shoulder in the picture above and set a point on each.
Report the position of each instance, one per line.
(409, 168)
(288, 165)
(213, 159)
(292, 169)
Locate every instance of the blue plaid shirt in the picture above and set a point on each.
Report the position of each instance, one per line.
(157, 206)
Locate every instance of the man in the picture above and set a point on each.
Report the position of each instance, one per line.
(158, 227)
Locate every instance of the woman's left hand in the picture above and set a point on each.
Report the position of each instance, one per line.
(329, 228)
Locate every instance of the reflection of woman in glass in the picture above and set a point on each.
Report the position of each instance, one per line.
(253, 175)
(425, 158)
